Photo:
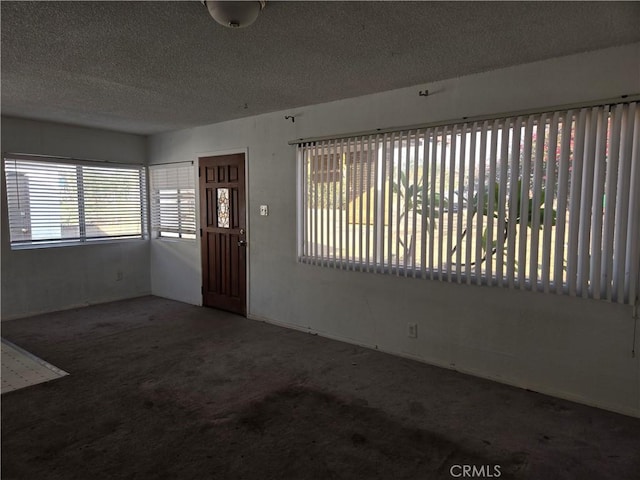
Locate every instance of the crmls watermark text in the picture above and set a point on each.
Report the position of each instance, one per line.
(475, 471)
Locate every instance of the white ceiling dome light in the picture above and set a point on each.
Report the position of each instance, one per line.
(236, 14)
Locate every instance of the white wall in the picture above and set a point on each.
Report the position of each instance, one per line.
(173, 263)
(573, 348)
(49, 279)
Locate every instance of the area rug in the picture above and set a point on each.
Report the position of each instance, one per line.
(22, 369)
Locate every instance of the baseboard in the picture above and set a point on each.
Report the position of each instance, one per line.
(197, 303)
(545, 390)
(17, 316)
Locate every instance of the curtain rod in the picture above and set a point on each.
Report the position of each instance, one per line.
(19, 156)
(29, 156)
(169, 163)
(498, 116)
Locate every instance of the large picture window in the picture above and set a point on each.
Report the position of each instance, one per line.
(173, 201)
(52, 201)
(547, 202)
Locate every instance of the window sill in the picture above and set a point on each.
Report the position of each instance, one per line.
(173, 240)
(38, 246)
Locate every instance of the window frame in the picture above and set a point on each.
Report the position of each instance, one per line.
(315, 174)
(81, 197)
(184, 174)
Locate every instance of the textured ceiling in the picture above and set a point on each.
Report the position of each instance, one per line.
(148, 67)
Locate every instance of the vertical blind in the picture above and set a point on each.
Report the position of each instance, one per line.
(547, 202)
(173, 206)
(52, 201)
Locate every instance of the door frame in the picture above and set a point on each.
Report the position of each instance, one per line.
(219, 153)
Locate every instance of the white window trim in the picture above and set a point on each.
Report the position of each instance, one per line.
(83, 238)
(184, 179)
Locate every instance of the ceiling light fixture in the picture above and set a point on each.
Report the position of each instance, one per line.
(234, 14)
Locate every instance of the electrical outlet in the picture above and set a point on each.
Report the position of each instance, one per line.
(264, 210)
(412, 330)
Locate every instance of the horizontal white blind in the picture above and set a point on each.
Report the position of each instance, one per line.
(173, 206)
(547, 202)
(52, 202)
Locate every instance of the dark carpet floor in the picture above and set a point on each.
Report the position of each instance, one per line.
(158, 389)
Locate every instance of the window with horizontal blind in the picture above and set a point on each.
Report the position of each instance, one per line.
(547, 202)
(173, 201)
(50, 201)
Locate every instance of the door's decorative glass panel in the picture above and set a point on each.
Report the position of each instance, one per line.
(223, 207)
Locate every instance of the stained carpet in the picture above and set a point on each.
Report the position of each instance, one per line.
(163, 390)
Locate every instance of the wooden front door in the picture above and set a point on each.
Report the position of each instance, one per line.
(223, 239)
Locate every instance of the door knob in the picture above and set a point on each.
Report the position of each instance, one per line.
(242, 243)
